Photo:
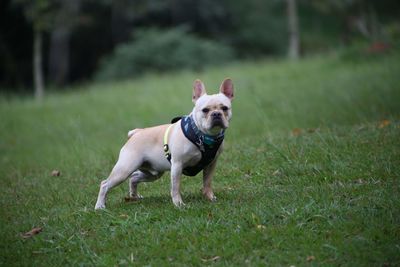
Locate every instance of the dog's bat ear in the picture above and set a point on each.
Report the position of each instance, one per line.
(226, 88)
(198, 90)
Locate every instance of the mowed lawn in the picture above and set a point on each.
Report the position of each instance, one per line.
(309, 176)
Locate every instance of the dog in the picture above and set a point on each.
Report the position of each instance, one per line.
(188, 145)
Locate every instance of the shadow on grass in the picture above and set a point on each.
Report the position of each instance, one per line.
(192, 199)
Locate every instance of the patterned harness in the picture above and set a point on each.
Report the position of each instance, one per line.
(207, 144)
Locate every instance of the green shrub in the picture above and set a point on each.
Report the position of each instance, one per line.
(161, 50)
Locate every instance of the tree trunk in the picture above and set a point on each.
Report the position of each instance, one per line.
(59, 55)
(120, 30)
(375, 29)
(293, 27)
(37, 65)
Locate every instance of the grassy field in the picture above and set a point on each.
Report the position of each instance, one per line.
(309, 177)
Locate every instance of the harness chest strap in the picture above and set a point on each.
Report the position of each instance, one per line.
(167, 153)
(208, 145)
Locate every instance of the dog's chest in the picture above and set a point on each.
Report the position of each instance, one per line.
(192, 156)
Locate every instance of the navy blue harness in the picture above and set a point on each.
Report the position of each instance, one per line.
(207, 144)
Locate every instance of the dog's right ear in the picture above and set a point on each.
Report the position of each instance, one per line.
(198, 90)
(226, 88)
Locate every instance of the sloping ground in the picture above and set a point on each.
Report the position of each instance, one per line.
(310, 173)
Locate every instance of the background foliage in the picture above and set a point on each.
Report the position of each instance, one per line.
(81, 35)
(161, 50)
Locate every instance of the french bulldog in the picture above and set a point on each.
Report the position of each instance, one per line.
(186, 146)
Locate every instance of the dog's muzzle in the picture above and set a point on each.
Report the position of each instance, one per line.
(217, 120)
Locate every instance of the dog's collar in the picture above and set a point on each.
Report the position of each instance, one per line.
(201, 140)
(207, 144)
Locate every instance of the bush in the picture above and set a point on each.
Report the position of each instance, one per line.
(161, 50)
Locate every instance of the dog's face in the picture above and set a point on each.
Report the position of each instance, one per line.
(212, 113)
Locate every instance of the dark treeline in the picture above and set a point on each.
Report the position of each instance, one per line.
(74, 39)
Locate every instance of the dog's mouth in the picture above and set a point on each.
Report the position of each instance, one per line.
(218, 122)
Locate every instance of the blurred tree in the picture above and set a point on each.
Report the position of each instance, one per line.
(161, 50)
(293, 26)
(357, 16)
(15, 55)
(256, 27)
(76, 34)
(40, 13)
(66, 17)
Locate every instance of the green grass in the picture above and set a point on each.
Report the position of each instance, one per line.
(329, 189)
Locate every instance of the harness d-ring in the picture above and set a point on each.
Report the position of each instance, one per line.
(167, 153)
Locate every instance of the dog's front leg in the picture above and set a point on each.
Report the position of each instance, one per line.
(176, 173)
(208, 174)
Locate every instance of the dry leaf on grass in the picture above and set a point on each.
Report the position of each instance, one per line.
(310, 258)
(211, 259)
(55, 173)
(360, 181)
(261, 227)
(246, 176)
(383, 124)
(277, 172)
(296, 131)
(32, 232)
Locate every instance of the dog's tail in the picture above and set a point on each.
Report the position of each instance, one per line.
(132, 132)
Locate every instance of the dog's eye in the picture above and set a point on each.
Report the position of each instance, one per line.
(205, 110)
(224, 108)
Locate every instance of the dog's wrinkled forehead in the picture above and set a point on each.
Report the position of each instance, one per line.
(213, 100)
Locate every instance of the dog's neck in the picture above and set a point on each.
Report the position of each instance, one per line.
(198, 129)
(201, 133)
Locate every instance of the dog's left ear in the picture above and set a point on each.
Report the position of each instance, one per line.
(227, 88)
(198, 90)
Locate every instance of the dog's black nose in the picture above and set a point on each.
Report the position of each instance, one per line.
(216, 115)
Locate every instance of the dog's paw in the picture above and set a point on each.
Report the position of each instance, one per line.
(178, 202)
(99, 206)
(213, 198)
(209, 195)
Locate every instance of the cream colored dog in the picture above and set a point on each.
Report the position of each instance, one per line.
(187, 146)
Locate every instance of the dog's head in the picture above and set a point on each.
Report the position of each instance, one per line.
(212, 113)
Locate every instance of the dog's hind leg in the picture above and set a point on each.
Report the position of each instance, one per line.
(127, 163)
(139, 177)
